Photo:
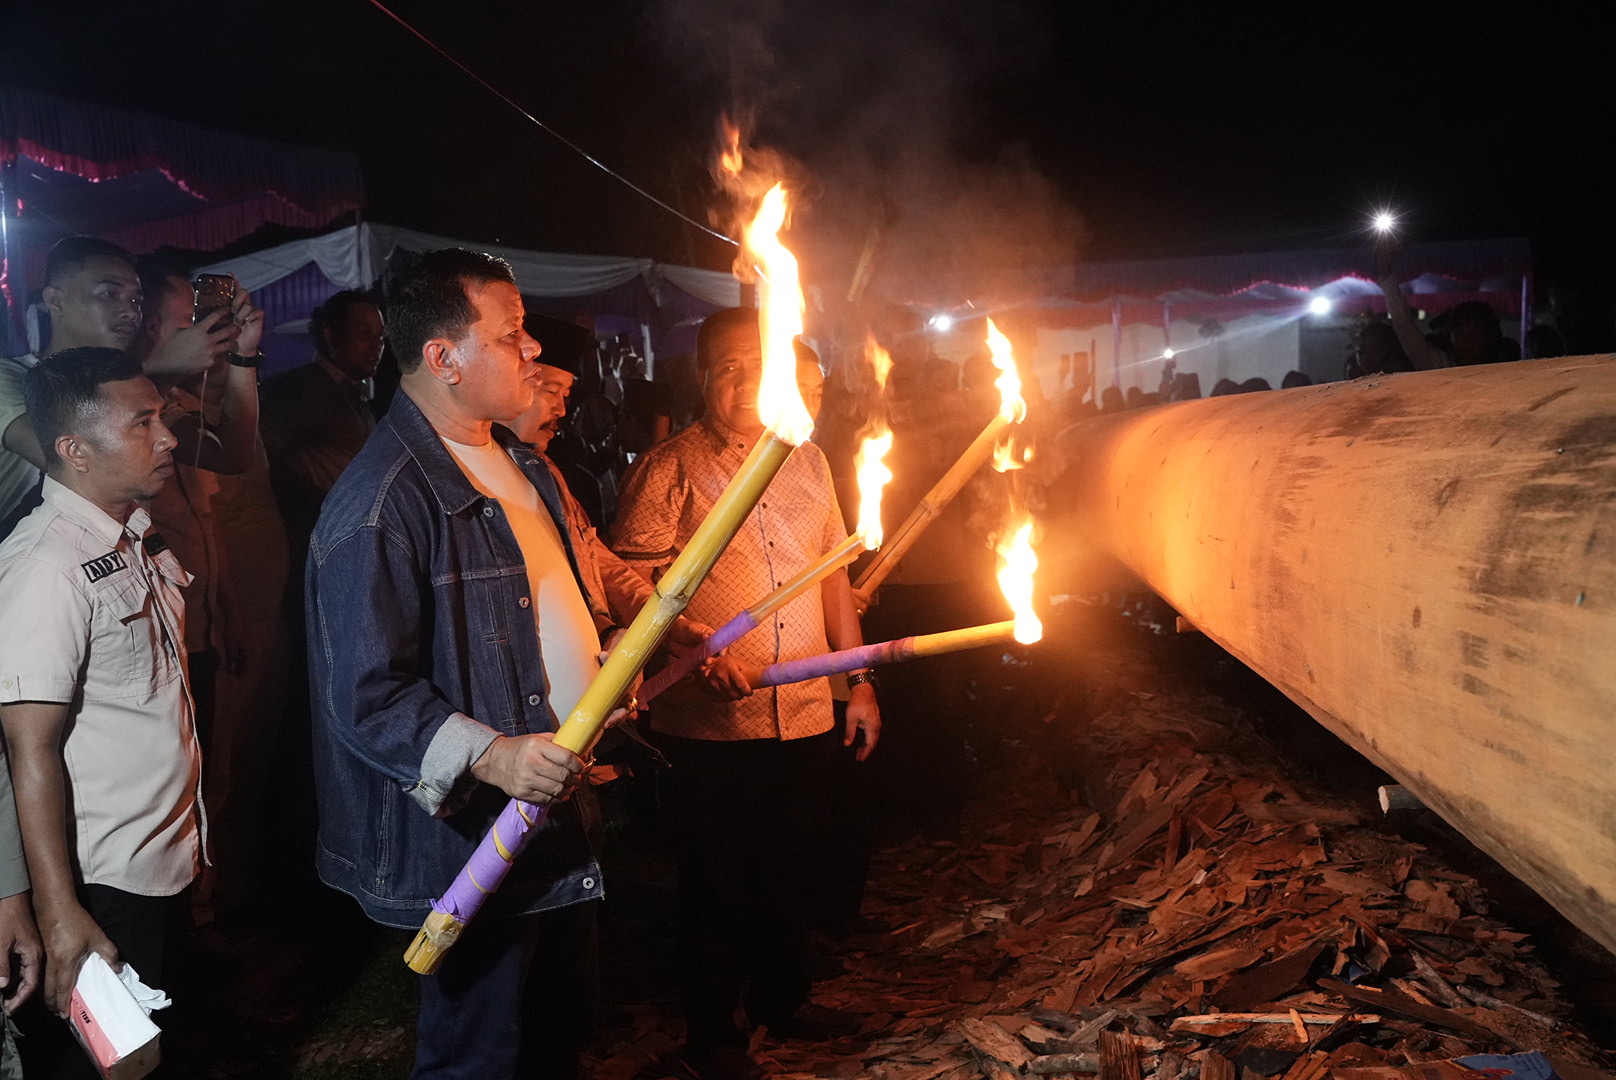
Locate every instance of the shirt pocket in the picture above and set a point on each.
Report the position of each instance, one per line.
(131, 634)
(494, 620)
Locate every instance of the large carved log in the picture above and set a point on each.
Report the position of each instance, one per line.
(1425, 562)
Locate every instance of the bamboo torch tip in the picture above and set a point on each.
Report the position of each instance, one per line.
(438, 933)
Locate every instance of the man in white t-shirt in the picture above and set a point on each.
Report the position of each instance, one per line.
(448, 631)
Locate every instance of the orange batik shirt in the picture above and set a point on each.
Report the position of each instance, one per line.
(665, 496)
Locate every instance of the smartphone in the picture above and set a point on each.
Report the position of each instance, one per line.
(213, 293)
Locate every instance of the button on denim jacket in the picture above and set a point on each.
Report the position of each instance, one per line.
(422, 649)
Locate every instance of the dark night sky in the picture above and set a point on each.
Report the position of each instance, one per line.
(1236, 127)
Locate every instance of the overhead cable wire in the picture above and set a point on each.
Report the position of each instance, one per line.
(547, 129)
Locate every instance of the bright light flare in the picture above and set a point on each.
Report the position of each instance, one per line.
(1011, 407)
(1017, 564)
(1320, 305)
(873, 476)
(942, 322)
(780, 312)
(1168, 353)
(1384, 221)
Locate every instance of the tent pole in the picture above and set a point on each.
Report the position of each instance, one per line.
(1526, 310)
(8, 270)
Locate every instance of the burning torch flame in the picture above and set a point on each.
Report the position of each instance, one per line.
(873, 475)
(730, 159)
(880, 362)
(780, 319)
(1011, 407)
(1016, 566)
(1006, 456)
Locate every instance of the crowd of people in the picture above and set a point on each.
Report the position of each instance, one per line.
(374, 609)
(189, 556)
(1467, 334)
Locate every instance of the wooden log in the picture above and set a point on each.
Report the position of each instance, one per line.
(994, 1041)
(1214, 1066)
(1424, 562)
(1119, 1058)
(1054, 1064)
(1391, 1001)
(1191, 1023)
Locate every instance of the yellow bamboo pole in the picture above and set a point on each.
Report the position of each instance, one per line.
(832, 561)
(673, 593)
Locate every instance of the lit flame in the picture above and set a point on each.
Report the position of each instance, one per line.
(1017, 563)
(1011, 407)
(780, 319)
(1009, 455)
(873, 475)
(730, 159)
(1004, 456)
(880, 361)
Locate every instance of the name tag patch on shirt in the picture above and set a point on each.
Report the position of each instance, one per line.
(101, 567)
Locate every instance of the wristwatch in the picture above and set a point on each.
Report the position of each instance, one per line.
(862, 678)
(255, 360)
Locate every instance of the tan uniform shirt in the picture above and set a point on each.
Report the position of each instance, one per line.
(665, 496)
(94, 617)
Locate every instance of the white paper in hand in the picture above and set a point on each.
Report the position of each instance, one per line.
(109, 1014)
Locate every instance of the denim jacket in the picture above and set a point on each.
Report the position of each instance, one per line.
(423, 649)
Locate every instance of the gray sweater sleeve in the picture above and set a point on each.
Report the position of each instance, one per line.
(13, 867)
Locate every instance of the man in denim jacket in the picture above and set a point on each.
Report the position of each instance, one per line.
(443, 641)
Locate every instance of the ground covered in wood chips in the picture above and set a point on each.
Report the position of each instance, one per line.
(1143, 887)
(1140, 893)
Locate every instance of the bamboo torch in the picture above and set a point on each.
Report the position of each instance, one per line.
(1017, 563)
(788, 424)
(873, 476)
(1012, 409)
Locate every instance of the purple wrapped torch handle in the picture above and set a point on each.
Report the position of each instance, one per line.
(486, 869)
(895, 651)
(722, 638)
(489, 864)
(813, 667)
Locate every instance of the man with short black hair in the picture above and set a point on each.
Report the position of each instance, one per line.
(94, 297)
(448, 632)
(92, 294)
(93, 697)
(318, 415)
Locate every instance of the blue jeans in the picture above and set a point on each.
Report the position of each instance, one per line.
(515, 998)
